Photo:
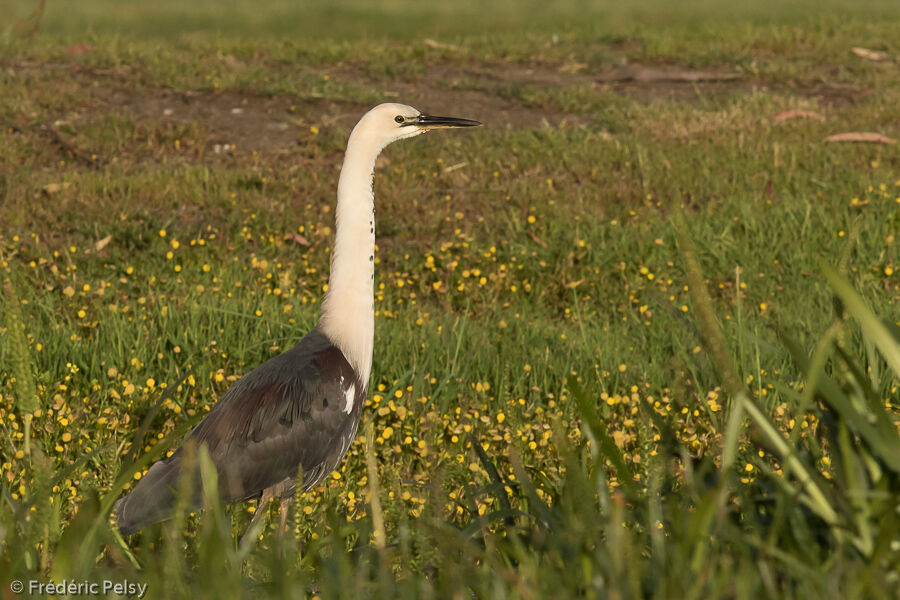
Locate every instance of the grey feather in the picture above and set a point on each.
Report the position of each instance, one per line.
(285, 414)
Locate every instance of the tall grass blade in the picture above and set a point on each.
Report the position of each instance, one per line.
(594, 423)
(815, 496)
(374, 500)
(26, 392)
(872, 327)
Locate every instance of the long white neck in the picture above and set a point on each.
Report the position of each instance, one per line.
(348, 310)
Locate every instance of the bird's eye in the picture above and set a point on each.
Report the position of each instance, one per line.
(399, 119)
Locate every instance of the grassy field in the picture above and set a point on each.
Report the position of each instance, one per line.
(619, 353)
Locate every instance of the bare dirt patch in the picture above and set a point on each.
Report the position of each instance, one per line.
(241, 120)
(246, 121)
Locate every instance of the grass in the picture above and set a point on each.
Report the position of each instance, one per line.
(556, 407)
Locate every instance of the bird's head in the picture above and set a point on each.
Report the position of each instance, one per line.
(391, 122)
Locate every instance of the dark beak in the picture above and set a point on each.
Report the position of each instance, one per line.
(430, 122)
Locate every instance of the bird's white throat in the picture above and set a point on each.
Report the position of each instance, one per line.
(348, 310)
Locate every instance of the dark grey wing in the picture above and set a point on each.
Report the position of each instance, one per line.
(300, 408)
(290, 411)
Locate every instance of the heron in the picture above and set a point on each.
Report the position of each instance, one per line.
(299, 411)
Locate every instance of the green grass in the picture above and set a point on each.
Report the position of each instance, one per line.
(356, 19)
(553, 411)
